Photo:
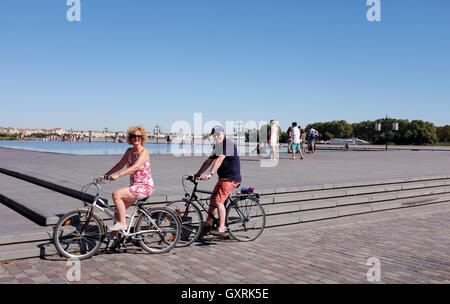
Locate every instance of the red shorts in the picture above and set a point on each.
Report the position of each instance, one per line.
(222, 190)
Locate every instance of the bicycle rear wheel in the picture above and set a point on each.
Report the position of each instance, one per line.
(245, 219)
(158, 229)
(191, 222)
(78, 234)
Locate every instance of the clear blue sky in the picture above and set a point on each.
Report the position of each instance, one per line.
(158, 61)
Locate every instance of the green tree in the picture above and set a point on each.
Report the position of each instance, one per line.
(6, 136)
(443, 134)
(422, 132)
(332, 129)
(284, 138)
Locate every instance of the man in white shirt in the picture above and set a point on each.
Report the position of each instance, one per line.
(296, 141)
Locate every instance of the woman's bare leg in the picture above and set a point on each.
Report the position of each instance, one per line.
(122, 199)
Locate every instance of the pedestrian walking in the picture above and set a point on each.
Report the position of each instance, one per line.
(273, 142)
(296, 141)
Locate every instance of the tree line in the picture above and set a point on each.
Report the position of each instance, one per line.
(415, 132)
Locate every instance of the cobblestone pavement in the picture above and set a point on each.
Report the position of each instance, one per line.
(412, 249)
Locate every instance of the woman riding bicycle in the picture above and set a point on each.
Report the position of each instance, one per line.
(141, 183)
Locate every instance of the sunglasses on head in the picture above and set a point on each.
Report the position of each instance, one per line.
(136, 136)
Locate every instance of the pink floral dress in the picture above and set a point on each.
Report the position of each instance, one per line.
(141, 182)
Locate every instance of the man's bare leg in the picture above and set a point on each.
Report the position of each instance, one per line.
(211, 210)
(222, 214)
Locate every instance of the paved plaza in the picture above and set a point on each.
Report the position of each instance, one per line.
(412, 247)
(74, 171)
(411, 244)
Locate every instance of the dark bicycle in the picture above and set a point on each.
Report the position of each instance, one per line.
(245, 218)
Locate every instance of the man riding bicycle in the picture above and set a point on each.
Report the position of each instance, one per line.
(225, 161)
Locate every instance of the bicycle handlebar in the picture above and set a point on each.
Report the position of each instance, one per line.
(193, 178)
(98, 180)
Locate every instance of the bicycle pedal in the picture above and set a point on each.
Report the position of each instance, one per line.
(205, 231)
(115, 245)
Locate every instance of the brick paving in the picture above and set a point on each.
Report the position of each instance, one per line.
(413, 248)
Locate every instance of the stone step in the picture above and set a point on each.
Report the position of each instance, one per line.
(31, 250)
(60, 188)
(291, 213)
(42, 201)
(39, 204)
(74, 190)
(341, 199)
(26, 250)
(280, 219)
(383, 182)
(16, 228)
(44, 248)
(355, 204)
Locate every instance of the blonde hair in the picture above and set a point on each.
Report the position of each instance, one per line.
(134, 129)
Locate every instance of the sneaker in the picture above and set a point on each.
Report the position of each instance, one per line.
(117, 227)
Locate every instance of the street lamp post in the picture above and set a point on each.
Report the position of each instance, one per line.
(238, 130)
(157, 131)
(379, 127)
(106, 131)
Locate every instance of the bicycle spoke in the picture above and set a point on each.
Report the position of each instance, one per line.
(69, 240)
(191, 221)
(82, 246)
(245, 219)
(166, 228)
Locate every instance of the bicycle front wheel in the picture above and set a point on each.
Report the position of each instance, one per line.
(78, 234)
(245, 219)
(191, 222)
(158, 229)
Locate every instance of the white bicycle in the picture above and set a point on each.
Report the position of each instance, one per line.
(80, 233)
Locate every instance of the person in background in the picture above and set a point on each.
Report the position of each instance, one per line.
(273, 141)
(289, 132)
(303, 141)
(314, 134)
(296, 141)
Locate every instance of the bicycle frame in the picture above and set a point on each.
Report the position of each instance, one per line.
(110, 212)
(193, 197)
